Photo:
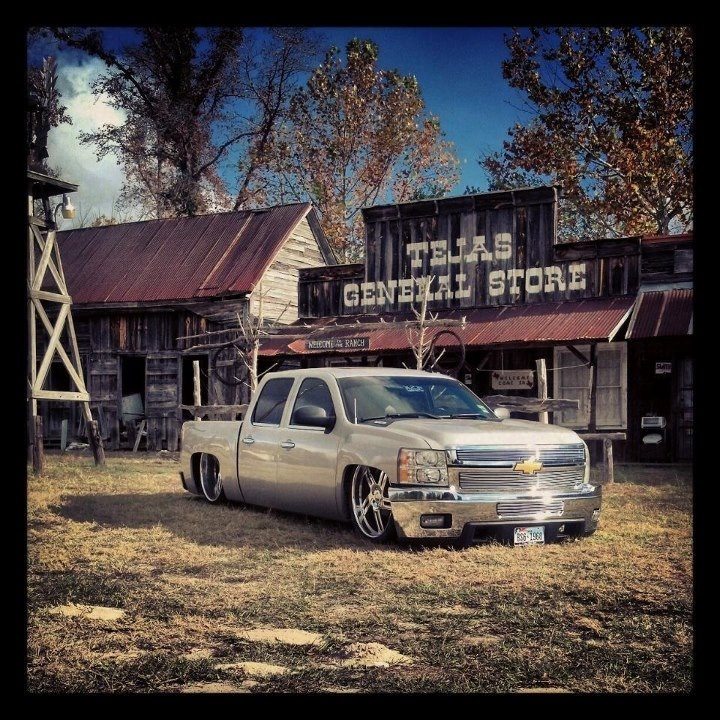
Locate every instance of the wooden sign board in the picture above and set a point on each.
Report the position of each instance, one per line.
(344, 343)
(513, 379)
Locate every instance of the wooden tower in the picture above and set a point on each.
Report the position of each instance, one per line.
(49, 315)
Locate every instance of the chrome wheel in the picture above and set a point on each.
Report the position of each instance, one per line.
(210, 478)
(369, 503)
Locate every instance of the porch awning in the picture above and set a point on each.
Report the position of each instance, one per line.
(591, 320)
(662, 313)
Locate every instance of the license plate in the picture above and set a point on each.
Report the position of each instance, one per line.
(529, 535)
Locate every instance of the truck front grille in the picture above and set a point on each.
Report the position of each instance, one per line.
(530, 508)
(504, 480)
(508, 455)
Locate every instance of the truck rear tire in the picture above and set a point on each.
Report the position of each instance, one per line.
(370, 511)
(210, 478)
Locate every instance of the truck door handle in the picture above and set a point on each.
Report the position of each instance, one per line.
(288, 444)
(248, 440)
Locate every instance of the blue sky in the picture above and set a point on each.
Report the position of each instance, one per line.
(458, 70)
(459, 73)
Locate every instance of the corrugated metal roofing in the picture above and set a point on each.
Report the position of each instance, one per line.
(596, 319)
(664, 313)
(177, 258)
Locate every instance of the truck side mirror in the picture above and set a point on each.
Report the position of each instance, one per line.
(312, 416)
(502, 413)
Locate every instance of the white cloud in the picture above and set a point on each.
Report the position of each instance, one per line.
(99, 181)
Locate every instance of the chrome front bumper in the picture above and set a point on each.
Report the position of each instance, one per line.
(409, 503)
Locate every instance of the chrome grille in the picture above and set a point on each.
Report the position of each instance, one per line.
(504, 480)
(529, 508)
(508, 455)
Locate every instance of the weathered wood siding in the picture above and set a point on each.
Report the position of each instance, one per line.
(162, 400)
(320, 290)
(104, 371)
(280, 282)
(668, 260)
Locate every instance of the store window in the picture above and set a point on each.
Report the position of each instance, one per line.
(572, 382)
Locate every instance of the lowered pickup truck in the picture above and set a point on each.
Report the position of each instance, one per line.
(395, 451)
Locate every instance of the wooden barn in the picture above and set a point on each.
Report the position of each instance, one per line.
(138, 287)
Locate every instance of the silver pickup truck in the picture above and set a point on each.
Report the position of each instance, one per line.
(395, 451)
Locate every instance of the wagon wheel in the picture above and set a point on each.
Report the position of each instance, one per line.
(449, 359)
(369, 504)
(227, 365)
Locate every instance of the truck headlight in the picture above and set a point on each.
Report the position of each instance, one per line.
(586, 476)
(422, 467)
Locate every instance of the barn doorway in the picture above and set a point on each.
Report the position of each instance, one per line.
(187, 382)
(132, 379)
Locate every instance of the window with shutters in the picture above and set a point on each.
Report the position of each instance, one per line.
(572, 382)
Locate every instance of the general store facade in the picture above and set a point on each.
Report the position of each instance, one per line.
(619, 308)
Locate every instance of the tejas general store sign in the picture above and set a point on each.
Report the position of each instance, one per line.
(490, 249)
(502, 283)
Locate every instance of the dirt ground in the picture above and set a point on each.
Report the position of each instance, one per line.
(134, 586)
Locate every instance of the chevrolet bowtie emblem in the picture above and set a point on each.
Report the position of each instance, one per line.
(528, 467)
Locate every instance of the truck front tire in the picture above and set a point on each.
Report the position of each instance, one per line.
(370, 511)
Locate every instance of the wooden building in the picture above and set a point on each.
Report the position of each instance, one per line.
(137, 287)
(621, 307)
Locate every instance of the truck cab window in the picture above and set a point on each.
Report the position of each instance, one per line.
(271, 403)
(313, 391)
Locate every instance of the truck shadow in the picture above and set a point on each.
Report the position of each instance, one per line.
(229, 525)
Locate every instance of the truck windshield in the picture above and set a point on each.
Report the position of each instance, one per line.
(379, 397)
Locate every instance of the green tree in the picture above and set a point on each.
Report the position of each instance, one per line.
(611, 120)
(191, 97)
(358, 134)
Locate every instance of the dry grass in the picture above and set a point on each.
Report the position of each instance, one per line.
(607, 614)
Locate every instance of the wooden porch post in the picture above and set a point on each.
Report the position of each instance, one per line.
(592, 421)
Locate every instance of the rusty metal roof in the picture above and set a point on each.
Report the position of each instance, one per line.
(663, 313)
(596, 319)
(178, 258)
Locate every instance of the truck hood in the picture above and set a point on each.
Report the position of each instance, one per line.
(441, 434)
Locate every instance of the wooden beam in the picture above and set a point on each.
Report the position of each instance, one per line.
(602, 435)
(608, 470)
(77, 378)
(60, 282)
(44, 259)
(60, 395)
(483, 362)
(580, 356)
(196, 386)
(49, 296)
(38, 447)
(32, 355)
(75, 351)
(592, 421)
(542, 387)
(218, 408)
(52, 344)
(530, 404)
(142, 429)
(63, 434)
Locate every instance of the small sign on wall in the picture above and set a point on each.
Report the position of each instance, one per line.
(513, 379)
(468, 379)
(663, 368)
(346, 343)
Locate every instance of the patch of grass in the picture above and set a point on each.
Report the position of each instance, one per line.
(612, 613)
